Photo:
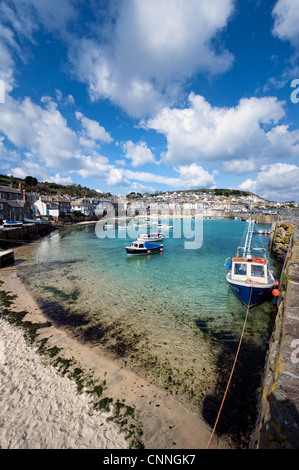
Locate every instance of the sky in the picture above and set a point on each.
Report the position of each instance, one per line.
(152, 95)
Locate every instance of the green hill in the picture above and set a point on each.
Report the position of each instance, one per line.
(30, 184)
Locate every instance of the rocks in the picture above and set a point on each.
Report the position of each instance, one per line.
(281, 239)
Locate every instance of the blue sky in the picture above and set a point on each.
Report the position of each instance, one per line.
(139, 95)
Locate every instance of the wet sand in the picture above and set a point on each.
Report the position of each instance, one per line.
(41, 409)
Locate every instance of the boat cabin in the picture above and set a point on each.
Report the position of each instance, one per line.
(250, 270)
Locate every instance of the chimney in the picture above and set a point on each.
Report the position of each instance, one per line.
(23, 195)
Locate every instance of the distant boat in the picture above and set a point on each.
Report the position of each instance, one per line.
(250, 277)
(35, 221)
(150, 237)
(12, 223)
(262, 232)
(143, 248)
(165, 226)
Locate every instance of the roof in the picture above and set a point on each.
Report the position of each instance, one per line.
(8, 189)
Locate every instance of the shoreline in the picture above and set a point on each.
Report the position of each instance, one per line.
(165, 422)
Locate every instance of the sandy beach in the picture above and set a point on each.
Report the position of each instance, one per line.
(41, 409)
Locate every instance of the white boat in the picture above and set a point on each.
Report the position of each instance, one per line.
(165, 226)
(151, 237)
(250, 277)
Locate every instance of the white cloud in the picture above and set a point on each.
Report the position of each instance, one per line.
(202, 132)
(41, 130)
(286, 19)
(278, 182)
(116, 178)
(194, 176)
(240, 167)
(60, 179)
(19, 20)
(151, 49)
(139, 153)
(190, 176)
(94, 130)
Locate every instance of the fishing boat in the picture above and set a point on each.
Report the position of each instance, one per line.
(164, 226)
(143, 248)
(250, 277)
(12, 223)
(150, 237)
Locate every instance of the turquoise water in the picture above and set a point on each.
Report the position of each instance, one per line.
(171, 316)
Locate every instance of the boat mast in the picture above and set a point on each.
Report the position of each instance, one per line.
(248, 241)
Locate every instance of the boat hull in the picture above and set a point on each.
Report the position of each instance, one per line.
(250, 294)
(11, 223)
(143, 251)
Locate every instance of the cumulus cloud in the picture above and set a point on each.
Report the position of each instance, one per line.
(41, 130)
(116, 178)
(190, 176)
(139, 153)
(93, 129)
(286, 19)
(21, 19)
(151, 49)
(201, 132)
(278, 182)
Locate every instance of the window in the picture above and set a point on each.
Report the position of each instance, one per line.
(257, 270)
(240, 269)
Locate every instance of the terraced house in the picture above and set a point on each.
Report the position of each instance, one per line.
(13, 204)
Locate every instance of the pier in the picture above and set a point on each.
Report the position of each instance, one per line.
(277, 426)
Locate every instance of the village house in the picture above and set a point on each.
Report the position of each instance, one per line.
(53, 206)
(85, 206)
(13, 204)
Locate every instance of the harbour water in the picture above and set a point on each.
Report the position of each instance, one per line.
(170, 317)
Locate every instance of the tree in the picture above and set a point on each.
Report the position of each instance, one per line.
(30, 181)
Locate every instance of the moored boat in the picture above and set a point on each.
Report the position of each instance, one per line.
(143, 248)
(150, 237)
(12, 223)
(250, 277)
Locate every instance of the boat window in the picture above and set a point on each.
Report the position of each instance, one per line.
(257, 270)
(240, 269)
(141, 245)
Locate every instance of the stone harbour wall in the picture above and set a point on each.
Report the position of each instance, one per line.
(26, 233)
(277, 426)
(280, 239)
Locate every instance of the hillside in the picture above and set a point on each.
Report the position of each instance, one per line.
(31, 184)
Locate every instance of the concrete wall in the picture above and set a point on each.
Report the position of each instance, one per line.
(278, 423)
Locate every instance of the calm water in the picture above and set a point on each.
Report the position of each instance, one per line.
(170, 316)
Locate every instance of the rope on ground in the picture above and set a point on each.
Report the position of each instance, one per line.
(231, 374)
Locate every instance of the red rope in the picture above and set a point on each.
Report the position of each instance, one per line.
(231, 374)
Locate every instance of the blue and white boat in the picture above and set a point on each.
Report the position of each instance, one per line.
(250, 277)
(12, 223)
(143, 248)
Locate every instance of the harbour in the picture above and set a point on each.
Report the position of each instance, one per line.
(155, 316)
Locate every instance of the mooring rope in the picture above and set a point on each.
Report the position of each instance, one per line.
(231, 374)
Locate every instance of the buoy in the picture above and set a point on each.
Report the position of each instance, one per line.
(276, 283)
(275, 292)
(148, 251)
